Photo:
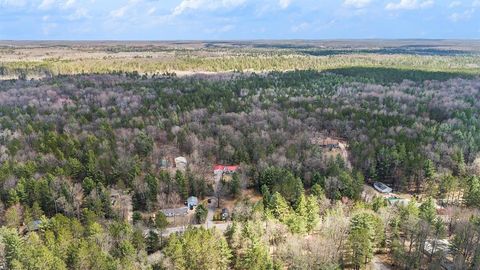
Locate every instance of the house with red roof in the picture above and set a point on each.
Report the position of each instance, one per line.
(225, 168)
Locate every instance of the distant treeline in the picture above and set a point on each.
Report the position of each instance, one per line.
(258, 62)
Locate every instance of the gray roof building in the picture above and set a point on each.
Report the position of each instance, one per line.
(192, 201)
(175, 212)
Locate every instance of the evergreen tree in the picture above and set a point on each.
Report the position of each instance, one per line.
(198, 249)
(366, 232)
(312, 213)
(161, 221)
(201, 213)
(267, 197)
(298, 219)
(181, 184)
(153, 242)
(235, 185)
(152, 185)
(428, 211)
(429, 169)
(280, 208)
(472, 192)
(317, 191)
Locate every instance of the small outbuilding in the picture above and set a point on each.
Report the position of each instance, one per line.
(163, 163)
(35, 225)
(181, 162)
(382, 188)
(330, 143)
(192, 202)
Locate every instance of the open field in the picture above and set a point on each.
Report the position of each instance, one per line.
(44, 59)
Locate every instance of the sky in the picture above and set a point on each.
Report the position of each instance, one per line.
(238, 19)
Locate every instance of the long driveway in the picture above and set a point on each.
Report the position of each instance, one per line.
(212, 206)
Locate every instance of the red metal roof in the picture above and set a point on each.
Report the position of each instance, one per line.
(231, 168)
(218, 167)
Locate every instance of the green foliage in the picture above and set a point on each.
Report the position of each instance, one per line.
(317, 191)
(161, 221)
(301, 219)
(198, 248)
(365, 232)
(143, 144)
(66, 159)
(282, 181)
(182, 184)
(235, 185)
(378, 202)
(472, 192)
(249, 249)
(429, 169)
(152, 242)
(64, 243)
(201, 213)
(428, 211)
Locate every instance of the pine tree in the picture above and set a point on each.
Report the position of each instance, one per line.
(181, 184)
(428, 211)
(280, 208)
(153, 242)
(235, 186)
(298, 220)
(312, 213)
(317, 191)
(472, 192)
(267, 197)
(429, 169)
(361, 238)
(459, 169)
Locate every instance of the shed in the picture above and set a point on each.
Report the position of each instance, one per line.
(35, 225)
(163, 163)
(192, 201)
(330, 143)
(181, 162)
(381, 187)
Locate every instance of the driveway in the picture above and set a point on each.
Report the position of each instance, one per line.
(211, 207)
(377, 264)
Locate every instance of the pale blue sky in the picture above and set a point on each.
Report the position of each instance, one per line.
(238, 19)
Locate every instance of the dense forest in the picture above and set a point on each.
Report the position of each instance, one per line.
(69, 142)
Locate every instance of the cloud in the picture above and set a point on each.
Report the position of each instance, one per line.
(300, 28)
(409, 4)
(284, 3)
(118, 13)
(63, 4)
(205, 5)
(151, 11)
(69, 3)
(476, 3)
(357, 3)
(48, 27)
(46, 4)
(12, 3)
(461, 16)
(455, 4)
(80, 13)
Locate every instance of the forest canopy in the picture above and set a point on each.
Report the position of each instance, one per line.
(98, 155)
